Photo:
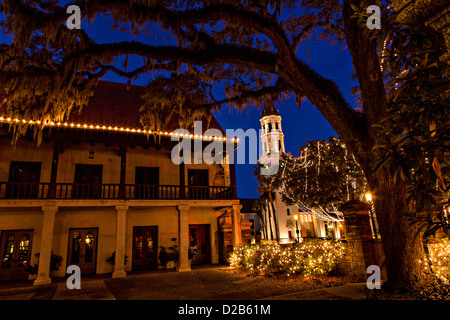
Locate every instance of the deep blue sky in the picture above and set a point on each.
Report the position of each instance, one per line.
(299, 125)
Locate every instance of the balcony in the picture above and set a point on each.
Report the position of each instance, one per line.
(71, 191)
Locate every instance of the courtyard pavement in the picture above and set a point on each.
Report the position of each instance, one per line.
(202, 283)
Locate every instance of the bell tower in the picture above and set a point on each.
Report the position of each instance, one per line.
(272, 137)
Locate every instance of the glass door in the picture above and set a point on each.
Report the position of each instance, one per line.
(83, 249)
(15, 253)
(199, 239)
(145, 248)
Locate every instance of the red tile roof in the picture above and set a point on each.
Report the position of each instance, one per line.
(113, 104)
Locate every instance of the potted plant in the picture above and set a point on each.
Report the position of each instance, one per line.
(111, 260)
(168, 257)
(55, 263)
(192, 253)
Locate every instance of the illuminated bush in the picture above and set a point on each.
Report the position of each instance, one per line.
(437, 269)
(308, 258)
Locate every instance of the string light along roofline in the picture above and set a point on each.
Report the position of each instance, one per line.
(111, 129)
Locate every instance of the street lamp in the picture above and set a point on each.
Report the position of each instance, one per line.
(296, 225)
(371, 214)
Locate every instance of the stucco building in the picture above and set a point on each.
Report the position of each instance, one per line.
(99, 183)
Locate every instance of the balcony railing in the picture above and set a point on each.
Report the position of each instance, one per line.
(21, 190)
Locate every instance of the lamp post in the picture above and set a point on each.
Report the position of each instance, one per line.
(296, 225)
(371, 214)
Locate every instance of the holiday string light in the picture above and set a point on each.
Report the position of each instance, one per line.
(112, 129)
(319, 212)
(308, 258)
(437, 262)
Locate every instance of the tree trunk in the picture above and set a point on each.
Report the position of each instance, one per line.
(266, 235)
(270, 222)
(402, 251)
(274, 215)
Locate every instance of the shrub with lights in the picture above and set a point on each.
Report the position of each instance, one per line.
(436, 265)
(308, 258)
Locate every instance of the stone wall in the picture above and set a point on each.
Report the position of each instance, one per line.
(362, 250)
(226, 236)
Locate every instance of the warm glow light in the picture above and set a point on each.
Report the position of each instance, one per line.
(296, 217)
(368, 197)
(110, 128)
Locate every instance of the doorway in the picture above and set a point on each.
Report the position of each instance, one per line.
(147, 182)
(83, 249)
(199, 238)
(145, 247)
(24, 178)
(198, 184)
(15, 253)
(88, 181)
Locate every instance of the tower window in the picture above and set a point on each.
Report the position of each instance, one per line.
(270, 126)
(276, 125)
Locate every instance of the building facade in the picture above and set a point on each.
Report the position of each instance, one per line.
(100, 184)
(290, 222)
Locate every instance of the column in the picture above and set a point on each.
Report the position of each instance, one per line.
(123, 169)
(45, 250)
(119, 268)
(182, 182)
(183, 238)
(233, 179)
(236, 224)
(57, 149)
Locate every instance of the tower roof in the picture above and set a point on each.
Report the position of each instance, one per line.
(269, 109)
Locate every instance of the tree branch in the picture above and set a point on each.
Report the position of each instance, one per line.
(250, 57)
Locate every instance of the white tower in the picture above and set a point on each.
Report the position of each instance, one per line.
(272, 139)
(272, 135)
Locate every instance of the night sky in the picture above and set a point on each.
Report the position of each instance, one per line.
(299, 125)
